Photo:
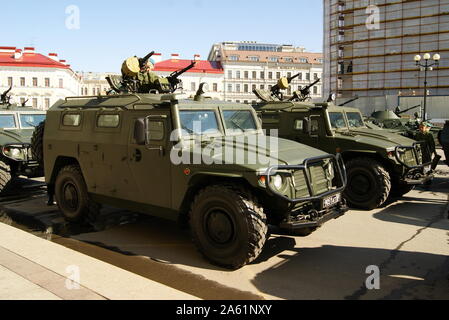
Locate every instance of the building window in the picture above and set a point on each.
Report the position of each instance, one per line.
(274, 59)
(254, 87)
(303, 60)
(307, 76)
(93, 92)
(269, 87)
(237, 75)
(10, 82)
(35, 103)
(237, 88)
(246, 88)
(300, 76)
(22, 101)
(315, 76)
(254, 58)
(234, 58)
(315, 90)
(47, 82)
(35, 82)
(270, 75)
(61, 83)
(246, 75)
(215, 87)
(193, 86)
(262, 75)
(229, 87)
(254, 74)
(86, 92)
(22, 82)
(278, 75)
(262, 87)
(47, 103)
(288, 59)
(230, 74)
(289, 74)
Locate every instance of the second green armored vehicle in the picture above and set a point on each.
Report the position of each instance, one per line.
(378, 163)
(17, 124)
(193, 160)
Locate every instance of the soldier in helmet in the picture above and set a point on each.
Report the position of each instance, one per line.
(425, 135)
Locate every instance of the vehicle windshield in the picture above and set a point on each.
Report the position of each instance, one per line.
(8, 121)
(239, 120)
(337, 120)
(30, 121)
(355, 120)
(198, 122)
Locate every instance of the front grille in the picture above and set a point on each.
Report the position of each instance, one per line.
(409, 158)
(319, 179)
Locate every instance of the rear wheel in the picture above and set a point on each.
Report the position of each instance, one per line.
(72, 197)
(369, 184)
(37, 143)
(5, 176)
(228, 226)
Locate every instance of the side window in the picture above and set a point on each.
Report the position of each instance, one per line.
(156, 130)
(71, 120)
(299, 125)
(108, 121)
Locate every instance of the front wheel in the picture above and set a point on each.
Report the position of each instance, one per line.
(228, 226)
(72, 197)
(369, 184)
(6, 176)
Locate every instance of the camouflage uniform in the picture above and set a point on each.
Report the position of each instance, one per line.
(148, 81)
(427, 137)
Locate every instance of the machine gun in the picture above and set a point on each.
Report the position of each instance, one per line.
(5, 99)
(304, 93)
(349, 101)
(143, 61)
(174, 80)
(282, 84)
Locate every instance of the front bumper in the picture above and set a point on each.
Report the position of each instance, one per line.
(314, 218)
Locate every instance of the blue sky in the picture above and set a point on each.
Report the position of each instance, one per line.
(110, 31)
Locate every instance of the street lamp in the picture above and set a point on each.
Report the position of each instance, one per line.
(427, 65)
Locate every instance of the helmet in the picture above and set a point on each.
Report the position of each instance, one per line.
(131, 67)
(283, 83)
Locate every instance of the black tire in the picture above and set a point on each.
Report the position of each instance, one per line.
(72, 197)
(228, 226)
(369, 184)
(6, 176)
(37, 143)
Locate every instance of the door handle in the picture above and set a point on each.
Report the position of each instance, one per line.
(160, 149)
(137, 155)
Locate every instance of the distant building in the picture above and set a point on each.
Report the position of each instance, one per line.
(251, 65)
(209, 72)
(37, 79)
(369, 49)
(94, 83)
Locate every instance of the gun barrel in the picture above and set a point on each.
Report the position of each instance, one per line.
(144, 60)
(290, 79)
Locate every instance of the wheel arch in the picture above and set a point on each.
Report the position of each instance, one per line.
(352, 154)
(60, 163)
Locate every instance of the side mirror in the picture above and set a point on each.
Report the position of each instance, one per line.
(140, 134)
(307, 126)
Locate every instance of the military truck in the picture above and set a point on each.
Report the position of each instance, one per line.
(378, 163)
(192, 160)
(17, 124)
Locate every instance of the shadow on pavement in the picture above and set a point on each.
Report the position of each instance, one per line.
(335, 272)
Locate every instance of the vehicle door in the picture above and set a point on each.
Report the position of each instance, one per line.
(150, 163)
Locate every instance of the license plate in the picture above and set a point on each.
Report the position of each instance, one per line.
(331, 201)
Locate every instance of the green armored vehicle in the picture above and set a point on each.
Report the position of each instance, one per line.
(17, 124)
(195, 160)
(378, 163)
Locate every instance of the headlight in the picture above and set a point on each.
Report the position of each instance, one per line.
(277, 182)
(14, 153)
(330, 170)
